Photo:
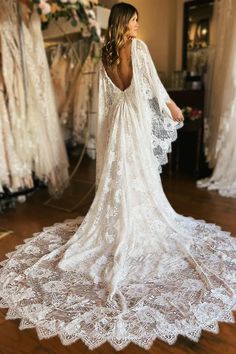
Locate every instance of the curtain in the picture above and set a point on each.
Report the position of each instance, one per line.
(220, 106)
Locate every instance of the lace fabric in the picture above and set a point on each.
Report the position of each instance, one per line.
(149, 96)
(220, 107)
(32, 135)
(184, 297)
(132, 270)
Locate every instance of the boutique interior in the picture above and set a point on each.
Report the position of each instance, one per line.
(48, 112)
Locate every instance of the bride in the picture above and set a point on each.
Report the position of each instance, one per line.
(134, 270)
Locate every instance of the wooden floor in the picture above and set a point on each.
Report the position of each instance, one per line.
(31, 216)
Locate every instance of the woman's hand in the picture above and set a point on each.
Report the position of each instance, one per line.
(175, 111)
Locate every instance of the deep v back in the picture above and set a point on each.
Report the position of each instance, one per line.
(121, 76)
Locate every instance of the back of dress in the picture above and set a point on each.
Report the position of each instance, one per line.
(148, 94)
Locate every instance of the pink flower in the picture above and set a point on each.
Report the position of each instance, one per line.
(45, 7)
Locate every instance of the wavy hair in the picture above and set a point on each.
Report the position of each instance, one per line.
(119, 18)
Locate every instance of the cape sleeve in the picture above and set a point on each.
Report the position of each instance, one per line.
(153, 72)
(151, 99)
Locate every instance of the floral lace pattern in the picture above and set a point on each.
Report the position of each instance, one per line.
(134, 270)
(163, 128)
(182, 298)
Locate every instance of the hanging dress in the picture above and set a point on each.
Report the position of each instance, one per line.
(30, 101)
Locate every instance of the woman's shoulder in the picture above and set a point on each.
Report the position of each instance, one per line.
(140, 44)
(140, 41)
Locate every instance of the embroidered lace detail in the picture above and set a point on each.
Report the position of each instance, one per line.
(134, 270)
(154, 96)
(225, 187)
(176, 300)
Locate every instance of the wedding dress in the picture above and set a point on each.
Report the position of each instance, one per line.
(32, 135)
(59, 71)
(75, 79)
(134, 270)
(220, 110)
(4, 177)
(12, 174)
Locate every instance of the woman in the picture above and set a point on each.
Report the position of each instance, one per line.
(134, 270)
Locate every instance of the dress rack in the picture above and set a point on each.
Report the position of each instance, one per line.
(8, 198)
(72, 38)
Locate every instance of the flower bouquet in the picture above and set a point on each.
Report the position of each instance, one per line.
(192, 113)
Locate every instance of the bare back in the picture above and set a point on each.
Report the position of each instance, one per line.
(121, 74)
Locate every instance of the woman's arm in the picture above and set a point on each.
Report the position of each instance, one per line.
(175, 111)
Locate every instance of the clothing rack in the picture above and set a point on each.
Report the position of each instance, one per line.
(71, 39)
(52, 203)
(8, 198)
(4, 232)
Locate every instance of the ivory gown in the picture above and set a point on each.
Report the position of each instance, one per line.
(220, 107)
(135, 270)
(32, 134)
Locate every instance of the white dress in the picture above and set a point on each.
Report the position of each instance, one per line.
(220, 108)
(32, 136)
(134, 270)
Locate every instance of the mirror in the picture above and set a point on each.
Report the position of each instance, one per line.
(197, 36)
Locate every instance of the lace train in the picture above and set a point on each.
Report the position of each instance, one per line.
(70, 305)
(225, 188)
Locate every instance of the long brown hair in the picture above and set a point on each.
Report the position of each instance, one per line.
(119, 18)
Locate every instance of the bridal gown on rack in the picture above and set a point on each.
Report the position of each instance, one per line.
(134, 270)
(32, 140)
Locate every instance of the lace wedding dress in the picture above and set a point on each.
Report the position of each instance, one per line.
(220, 108)
(134, 270)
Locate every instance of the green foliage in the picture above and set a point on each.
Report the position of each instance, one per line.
(73, 13)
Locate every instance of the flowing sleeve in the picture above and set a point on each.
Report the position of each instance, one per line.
(153, 73)
(152, 98)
